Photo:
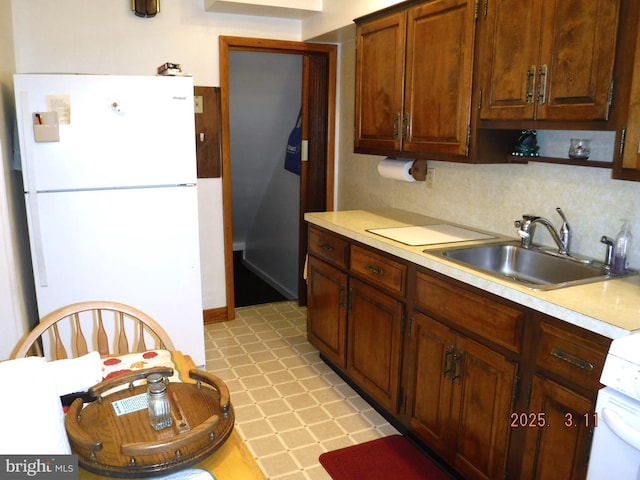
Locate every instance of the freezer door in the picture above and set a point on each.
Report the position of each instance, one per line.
(136, 246)
(114, 131)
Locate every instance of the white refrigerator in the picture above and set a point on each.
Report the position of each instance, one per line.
(110, 188)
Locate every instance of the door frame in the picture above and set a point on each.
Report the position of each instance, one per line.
(313, 77)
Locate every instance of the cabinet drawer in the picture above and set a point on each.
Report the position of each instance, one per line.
(572, 355)
(383, 271)
(330, 247)
(482, 315)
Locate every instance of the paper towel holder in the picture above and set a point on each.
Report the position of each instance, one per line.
(419, 170)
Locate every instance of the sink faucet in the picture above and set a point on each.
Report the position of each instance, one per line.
(608, 258)
(526, 228)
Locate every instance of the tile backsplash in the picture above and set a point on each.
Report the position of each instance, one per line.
(492, 197)
(555, 143)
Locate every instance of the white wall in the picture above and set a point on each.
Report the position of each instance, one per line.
(337, 14)
(79, 36)
(16, 313)
(265, 94)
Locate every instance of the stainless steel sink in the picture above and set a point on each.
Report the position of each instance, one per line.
(533, 267)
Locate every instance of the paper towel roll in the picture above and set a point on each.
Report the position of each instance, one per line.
(396, 169)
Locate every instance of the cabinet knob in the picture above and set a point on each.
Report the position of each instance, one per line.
(326, 247)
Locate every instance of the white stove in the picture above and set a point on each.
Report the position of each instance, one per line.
(615, 452)
(622, 367)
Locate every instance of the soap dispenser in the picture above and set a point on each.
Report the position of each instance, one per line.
(622, 249)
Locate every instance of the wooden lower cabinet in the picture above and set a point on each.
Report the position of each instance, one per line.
(327, 310)
(558, 446)
(463, 370)
(430, 384)
(459, 398)
(375, 342)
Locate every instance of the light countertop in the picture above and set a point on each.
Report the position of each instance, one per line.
(610, 308)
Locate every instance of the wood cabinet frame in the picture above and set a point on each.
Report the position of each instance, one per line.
(414, 97)
(608, 100)
(454, 362)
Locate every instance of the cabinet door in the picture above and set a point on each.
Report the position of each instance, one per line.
(482, 400)
(379, 84)
(548, 59)
(374, 343)
(508, 58)
(561, 448)
(578, 47)
(628, 167)
(440, 40)
(326, 310)
(432, 346)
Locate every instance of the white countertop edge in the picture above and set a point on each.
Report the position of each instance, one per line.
(519, 295)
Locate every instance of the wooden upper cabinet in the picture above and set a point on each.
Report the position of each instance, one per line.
(414, 79)
(548, 59)
(380, 83)
(578, 48)
(627, 165)
(439, 74)
(508, 54)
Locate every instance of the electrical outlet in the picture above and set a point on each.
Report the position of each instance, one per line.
(431, 173)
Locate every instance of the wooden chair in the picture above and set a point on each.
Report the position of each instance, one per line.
(67, 325)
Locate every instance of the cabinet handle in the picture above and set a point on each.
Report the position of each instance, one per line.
(571, 359)
(375, 270)
(457, 366)
(341, 302)
(396, 126)
(542, 96)
(446, 371)
(531, 81)
(405, 126)
(326, 247)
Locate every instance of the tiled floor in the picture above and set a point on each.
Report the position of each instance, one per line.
(290, 407)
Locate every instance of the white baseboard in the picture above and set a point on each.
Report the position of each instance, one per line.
(270, 280)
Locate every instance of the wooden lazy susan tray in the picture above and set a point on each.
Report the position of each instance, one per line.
(112, 435)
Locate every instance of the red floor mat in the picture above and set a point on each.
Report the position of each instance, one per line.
(385, 458)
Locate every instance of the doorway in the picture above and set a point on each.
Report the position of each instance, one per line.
(318, 118)
(265, 95)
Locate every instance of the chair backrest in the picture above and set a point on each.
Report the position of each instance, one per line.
(99, 321)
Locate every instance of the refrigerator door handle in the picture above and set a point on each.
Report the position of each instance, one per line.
(36, 233)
